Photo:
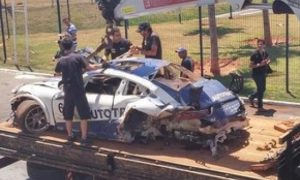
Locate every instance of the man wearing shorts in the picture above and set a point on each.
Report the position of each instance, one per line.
(71, 67)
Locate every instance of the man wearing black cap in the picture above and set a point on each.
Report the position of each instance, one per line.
(151, 45)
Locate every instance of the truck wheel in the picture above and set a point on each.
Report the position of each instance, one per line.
(41, 172)
(31, 117)
(287, 171)
(79, 176)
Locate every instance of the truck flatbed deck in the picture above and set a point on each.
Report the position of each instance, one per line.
(109, 159)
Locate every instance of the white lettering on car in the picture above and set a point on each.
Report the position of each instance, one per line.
(101, 113)
(221, 95)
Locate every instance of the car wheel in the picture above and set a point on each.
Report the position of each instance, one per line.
(31, 118)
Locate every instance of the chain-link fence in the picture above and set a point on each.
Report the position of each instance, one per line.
(283, 83)
(236, 39)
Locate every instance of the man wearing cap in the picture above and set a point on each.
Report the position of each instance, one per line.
(151, 44)
(71, 30)
(186, 61)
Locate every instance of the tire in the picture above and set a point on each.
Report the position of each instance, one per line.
(41, 172)
(79, 176)
(31, 118)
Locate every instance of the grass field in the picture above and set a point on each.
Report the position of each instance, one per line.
(235, 40)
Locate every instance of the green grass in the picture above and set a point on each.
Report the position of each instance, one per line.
(233, 41)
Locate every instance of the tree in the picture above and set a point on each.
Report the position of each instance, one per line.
(214, 68)
(266, 24)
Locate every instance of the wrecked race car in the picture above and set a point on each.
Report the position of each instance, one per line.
(138, 97)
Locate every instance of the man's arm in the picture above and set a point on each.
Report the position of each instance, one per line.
(153, 50)
(252, 62)
(57, 70)
(98, 49)
(91, 67)
(257, 65)
(267, 58)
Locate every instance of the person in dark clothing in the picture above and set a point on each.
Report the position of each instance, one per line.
(186, 61)
(258, 63)
(107, 10)
(105, 43)
(71, 33)
(112, 43)
(71, 30)
(71, 67)
(151, 44)
(118, 46)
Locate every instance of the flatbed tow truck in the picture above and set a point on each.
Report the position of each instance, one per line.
(256, 149)
(113, 160)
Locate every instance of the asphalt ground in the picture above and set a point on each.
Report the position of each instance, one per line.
(10, 79)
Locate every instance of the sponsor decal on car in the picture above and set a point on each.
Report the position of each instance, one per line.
(101, 113)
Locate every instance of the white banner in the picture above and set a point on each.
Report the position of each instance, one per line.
(294, 5)
(236, 4)
(134, 8)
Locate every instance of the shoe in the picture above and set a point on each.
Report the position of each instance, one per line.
(251, 101)
(261, 109)
(84, 142)
(71, 139)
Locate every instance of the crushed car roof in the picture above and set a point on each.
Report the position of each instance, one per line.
(139, 66)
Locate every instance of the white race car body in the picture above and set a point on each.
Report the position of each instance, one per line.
(140, 97)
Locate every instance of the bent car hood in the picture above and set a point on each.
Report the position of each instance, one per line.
(224, 104)
(35, 87)
(52, 82)
(212, 92)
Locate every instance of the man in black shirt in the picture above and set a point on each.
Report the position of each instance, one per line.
(112, 43)
(186, 61)
(106, 42)
(151, 44)
(118, 45)
(71, 67)
(258, 63)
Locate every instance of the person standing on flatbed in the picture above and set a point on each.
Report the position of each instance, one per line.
(71, 68)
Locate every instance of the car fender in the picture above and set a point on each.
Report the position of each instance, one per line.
(147, 105)
(21, 97)
(154, 107)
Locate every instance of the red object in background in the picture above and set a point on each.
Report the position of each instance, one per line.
(160, 3)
